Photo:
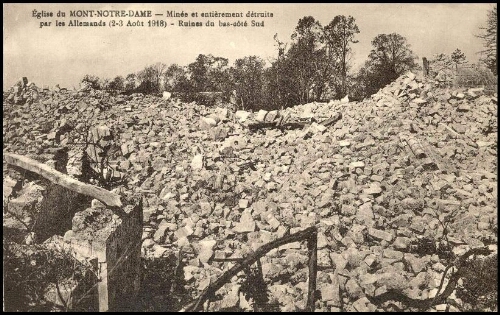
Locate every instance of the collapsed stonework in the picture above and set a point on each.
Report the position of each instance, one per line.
(23, 91)
(396, 184)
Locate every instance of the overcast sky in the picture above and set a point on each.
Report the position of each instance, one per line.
(63, 55)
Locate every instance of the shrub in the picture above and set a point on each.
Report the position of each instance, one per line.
(474, 76)
(32, 272)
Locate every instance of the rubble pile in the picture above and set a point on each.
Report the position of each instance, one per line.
(22, 92)
(392, 185)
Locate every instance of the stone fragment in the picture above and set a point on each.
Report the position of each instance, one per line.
(184, 232)
(365, 214)
(358, 164)
(160, 232)
(380, 235)
(166, 95)
(401, 243)
(270, 270)
(243, 203)
(393, 254)
(354, 291)
(261, 115)
(339, 262)
(344, 143)
(246, 224)
(374, 189)
(416, 264)
(393, 280)
(241, 115)
(207, 123)
(364, 305)
(231, 300)
(158, 251)
(206, 250)
(197, 162)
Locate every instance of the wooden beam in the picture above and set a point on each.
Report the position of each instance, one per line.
(56, 177)
(310, 234)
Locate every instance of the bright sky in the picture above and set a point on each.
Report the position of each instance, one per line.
(63, 55)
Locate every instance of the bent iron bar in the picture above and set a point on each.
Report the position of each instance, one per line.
(310, 235)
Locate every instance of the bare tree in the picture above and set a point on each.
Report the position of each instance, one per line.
(489, 37)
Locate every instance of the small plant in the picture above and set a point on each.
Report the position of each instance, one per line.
(480, 284)
(36, 277)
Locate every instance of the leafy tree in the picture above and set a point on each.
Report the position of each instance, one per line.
(390, 57)
(339, 35)
(175, 79)
(307, 59)
(92, 80)
(392, 54)
(489, 37)
(117, 83)
(130, 82)
(148, 80)
(458, 57)
(104, 83)
(273, 76)
(199, 72)
(248, 76)
(208, 73)
(219, 74)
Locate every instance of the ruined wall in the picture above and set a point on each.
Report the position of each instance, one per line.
(57, 210)
(123, 258)
(114, 241)
(108, 234)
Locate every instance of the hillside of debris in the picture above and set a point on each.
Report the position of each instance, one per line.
(399, 185)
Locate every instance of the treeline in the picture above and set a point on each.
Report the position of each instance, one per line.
(314, 66)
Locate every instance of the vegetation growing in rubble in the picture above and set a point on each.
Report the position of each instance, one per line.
(36, 276)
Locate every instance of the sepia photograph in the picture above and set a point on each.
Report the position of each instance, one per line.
(250, 157)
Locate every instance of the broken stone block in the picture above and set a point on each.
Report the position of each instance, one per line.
(358, 164)
(270, 270)
(393, 254)
(25, 203)
(354, 291)
(231, 300)
(380, 235)
(197, 162)
(338, 261)
(364, 305)
(261, 115)
(356, 233)
(365, 214)
(393, 280)
(183, 232)
(206, 250)
(242, 115)
(374, 189)
(243, 203)
(207, 123)
(271, 220)
(246, 224)
(166, 95)
(401, 243)
(344, 143)
(417, 264)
